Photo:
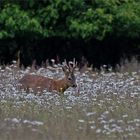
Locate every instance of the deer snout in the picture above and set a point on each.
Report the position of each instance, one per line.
(74, 85)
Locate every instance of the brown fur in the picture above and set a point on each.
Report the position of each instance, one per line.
(40, 83)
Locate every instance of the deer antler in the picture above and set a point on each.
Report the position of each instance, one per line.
(65, 64)
(72, 65)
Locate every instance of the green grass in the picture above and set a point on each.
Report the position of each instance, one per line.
(72, 123)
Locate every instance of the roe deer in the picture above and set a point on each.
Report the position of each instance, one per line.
(39, 83)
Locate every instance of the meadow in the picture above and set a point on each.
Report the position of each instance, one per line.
(104, 106)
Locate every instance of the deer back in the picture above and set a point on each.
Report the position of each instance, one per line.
(36, 82)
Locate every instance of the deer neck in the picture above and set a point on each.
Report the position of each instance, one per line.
(62, 85)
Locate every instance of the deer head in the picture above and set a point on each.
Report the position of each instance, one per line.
(68, 70)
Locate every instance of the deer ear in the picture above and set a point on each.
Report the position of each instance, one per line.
(64, 69)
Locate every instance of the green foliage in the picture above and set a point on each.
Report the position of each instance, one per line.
(127, 20)
(93, 23)
(14, 20)
(70, 19)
